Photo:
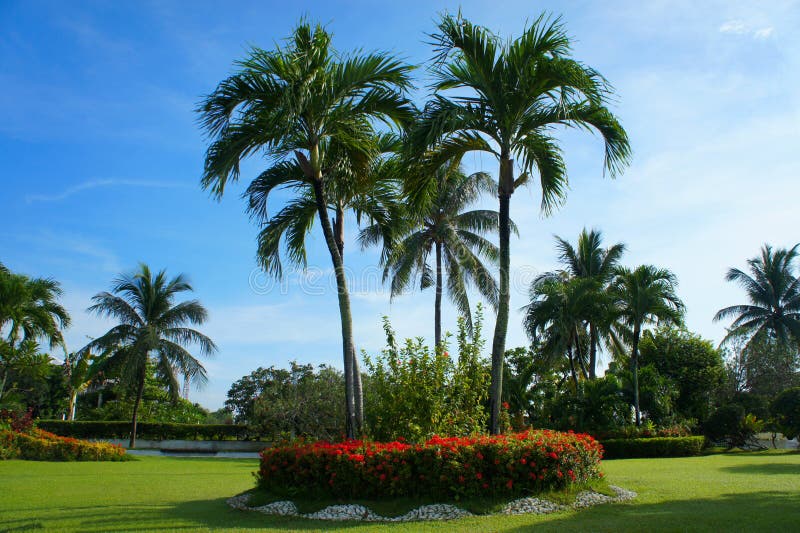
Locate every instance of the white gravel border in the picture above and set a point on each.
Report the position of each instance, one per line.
(583, 500)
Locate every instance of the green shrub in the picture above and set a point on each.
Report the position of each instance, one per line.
(729, 425)
(145, 430)
(415, 393)
(452, 467)
(786, 411)
(652, 447)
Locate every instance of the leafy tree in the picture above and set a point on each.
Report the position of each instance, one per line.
(761, 366)
(510, 95)
(311, 111)
(454, 236)
(301, 402)
(589, 260)
(244, 392)
(642, 296)
(152, 328)
(694, 366)
(786, 410)
(29, 312)
(774, 295)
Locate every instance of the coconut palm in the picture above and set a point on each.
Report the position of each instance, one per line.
(554, 320)
(29, 312)
(452, 236)
(371, 195)
(153, 328)
(644, 296)
(589, 260)
(774, 295)
(511, 96)
(305, 107)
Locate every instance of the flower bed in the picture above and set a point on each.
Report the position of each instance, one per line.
(523, 463)
(39, 445)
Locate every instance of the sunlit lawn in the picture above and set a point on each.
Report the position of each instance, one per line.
(734, 492)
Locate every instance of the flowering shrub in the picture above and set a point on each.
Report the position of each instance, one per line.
(415, 393)
(453, 467)
(39, 445)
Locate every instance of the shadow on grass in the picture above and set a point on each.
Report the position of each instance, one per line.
(766, 468)
(756, 511)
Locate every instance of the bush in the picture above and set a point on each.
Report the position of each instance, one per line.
(38, 445)
(653, 447)
(729, 425)
(786, 411)
(454, 467)
(145, 430)
(415, 393)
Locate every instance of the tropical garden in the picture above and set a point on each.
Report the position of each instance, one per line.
(610, 370)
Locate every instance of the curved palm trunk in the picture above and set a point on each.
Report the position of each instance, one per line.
(358, 390)
(592, 351)
(139, 392)
(635, 372)
(438, 303)
(504, 297)
(345, 314)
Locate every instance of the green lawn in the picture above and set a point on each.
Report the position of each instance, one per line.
(734, 492)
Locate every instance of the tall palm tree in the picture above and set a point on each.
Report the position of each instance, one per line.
(512, 95)
(453, 236)
(29, 312)
(774, 294)
(589, 260)
(152, 328)
(554, 320)
(305, 107)
(644, 296)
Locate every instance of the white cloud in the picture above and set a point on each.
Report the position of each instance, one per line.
(739, 27)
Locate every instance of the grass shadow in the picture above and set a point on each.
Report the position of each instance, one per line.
(765, 468)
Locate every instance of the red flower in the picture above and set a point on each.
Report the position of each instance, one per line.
(510, 484)
(479, 476)
(505, 405)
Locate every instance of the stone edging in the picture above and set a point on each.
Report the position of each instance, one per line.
(529, 505)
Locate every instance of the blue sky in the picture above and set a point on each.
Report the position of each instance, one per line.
(101, 157)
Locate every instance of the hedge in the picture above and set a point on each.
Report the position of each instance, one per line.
(522, 463)
(38, 445)
(145, 430)
(653, 447)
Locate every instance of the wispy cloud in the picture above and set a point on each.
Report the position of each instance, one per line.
(95, 184)
(740, 27)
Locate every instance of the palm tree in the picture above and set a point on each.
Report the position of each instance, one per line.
(644, 296)
(774, 294)
(554, 319)
(29, 311)
(591, 261)
(512, 94)
(455, 239)
(152, 329)
(306, 107)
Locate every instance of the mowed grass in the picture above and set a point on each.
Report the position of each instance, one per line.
(730, 492)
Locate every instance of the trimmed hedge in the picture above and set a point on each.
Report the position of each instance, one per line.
(41, 445)
(653, 447)
(522, 463)
(145, 430)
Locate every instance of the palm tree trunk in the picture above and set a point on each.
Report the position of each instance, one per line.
(345, 314)
(579, 356)
(635, 372)
(139, 392)
(572, 368)
(73, 398)
(437, 314)
(504, 297)
(592, 351)
(358, 390)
